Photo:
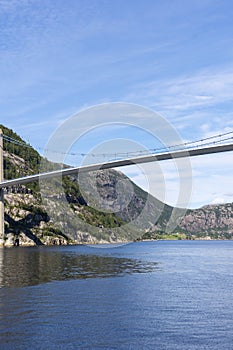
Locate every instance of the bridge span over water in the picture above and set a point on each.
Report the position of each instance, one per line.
(118, 163)
(209, 148)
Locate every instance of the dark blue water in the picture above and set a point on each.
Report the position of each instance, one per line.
(151, 295)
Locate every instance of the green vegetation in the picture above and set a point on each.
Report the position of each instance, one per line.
(21, 159)
(77, 219)
(158, 235)
(30, 158)
(100, 219)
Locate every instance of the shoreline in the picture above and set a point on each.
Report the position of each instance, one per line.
(109, 244)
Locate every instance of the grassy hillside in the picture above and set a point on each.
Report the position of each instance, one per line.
(26, 214)
(59, 213)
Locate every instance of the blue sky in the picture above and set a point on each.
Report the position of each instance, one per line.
(174, 57)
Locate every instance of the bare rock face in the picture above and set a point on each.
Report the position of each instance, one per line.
(110, 190)
(28, 222)
(216, 219)
(104, 206)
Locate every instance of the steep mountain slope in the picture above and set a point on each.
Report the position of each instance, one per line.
(59, 213)
(214, 221)
(208, 222)
(103, 206)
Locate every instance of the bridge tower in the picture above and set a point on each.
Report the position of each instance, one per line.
(1, 192)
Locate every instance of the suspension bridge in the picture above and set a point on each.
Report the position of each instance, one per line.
(214, 144)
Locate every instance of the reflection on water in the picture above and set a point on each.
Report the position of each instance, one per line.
(30, 266)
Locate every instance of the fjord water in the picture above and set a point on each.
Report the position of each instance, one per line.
(173, 295)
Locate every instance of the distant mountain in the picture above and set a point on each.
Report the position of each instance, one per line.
(213, 221)
(108, 207)
(208, 222)
(52, 219)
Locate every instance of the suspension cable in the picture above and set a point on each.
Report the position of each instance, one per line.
(183, 146)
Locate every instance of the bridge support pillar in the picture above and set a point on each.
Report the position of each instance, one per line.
(1, 192)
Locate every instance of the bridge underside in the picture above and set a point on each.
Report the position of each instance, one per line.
(119, 163)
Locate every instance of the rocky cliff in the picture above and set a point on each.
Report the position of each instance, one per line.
(103, 206)
(214, 221)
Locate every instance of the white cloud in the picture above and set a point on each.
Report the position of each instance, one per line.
(205, 127)
(218, 200)
(206, 88)
(210, 182)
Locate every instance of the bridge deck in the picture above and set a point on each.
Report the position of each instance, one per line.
(120, 163)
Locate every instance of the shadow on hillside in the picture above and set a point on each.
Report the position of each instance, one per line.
(24, 225)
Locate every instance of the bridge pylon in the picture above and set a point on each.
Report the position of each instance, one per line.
(1, 192)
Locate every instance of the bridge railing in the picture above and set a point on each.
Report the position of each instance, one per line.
(21, 160)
